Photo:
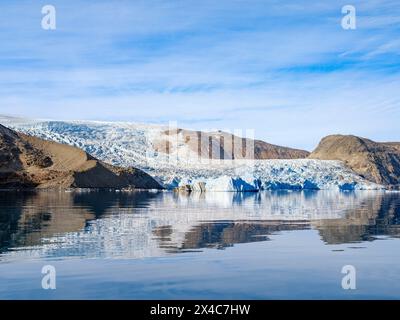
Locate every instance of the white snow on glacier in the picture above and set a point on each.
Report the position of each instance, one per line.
(133, 145)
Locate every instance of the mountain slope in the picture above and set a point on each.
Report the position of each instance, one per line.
(30, 162)
(222, 145)
(377, 162)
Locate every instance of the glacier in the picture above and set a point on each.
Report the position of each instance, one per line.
(133, 145)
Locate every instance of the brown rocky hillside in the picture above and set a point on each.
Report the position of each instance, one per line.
(30, 162)
(378, 162)
(223, 145)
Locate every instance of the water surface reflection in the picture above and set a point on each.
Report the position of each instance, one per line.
(147, 224)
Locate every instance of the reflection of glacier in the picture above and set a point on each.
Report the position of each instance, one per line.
(164, 222)
(129, 144)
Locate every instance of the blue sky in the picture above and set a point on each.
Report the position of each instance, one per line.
(286, 69)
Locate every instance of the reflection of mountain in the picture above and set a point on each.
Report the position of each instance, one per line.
(225, 234)
(142, 224)
(376, 216)
(26, 218)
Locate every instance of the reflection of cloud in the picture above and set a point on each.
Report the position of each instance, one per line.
(142, 225)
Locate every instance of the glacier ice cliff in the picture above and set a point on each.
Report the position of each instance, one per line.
(301, 174)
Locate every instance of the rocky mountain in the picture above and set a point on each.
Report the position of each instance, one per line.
(378, 162)
(222, 145)
(30, 162)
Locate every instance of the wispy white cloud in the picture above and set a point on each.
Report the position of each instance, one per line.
(286, 69)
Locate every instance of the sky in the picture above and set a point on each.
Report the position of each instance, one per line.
(285, 69)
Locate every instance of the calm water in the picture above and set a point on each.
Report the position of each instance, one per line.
(143, 245)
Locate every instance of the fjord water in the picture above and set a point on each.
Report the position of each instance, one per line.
(165, 245)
